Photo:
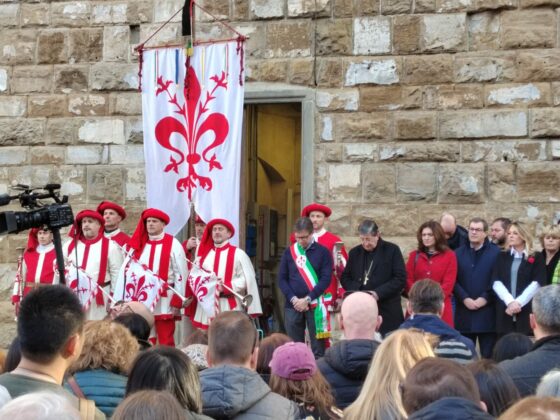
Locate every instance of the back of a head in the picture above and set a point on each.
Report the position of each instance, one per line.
(359, 314)
(136, 324)
(426, 297)
(534, 408)
(511, 346)
(266, 349)
(549, 386)
(164, 368)
(106, 345)
(497, 389)
(149, 405)
(44, 405)
(48, 317)
(13, 357)
(232, 337)
(432, 379)
(546, 309)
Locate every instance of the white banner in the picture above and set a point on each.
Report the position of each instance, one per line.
(203, 285)
(138, 284)
(81, 283)
(192, 137)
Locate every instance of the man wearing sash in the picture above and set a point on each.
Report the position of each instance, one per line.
(304, 276)
(319, 214)
(163, 255)
(89, 250)
(113, 214)
(38, 263)
(233, 268)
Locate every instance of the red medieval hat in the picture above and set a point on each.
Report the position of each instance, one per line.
(32, 240)
(76, 230)
(206, 242)
(198, 220)
(316, 207)
(140, 235)
(104, 205)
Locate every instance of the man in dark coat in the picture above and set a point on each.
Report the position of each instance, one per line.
(377, 265)
(346, 364)
(527, 370)
(475, 315)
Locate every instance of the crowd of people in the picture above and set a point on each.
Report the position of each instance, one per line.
(477, 337)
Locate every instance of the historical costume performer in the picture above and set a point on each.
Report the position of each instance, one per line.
(113, 214)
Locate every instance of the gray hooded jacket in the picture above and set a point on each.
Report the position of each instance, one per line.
(233, 392)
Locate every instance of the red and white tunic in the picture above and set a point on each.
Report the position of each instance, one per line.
(101, 259)
(164, 255)
(233, 266)
(328, 240)
(38, 267)
(118, 236)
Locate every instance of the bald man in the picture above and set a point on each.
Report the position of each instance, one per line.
(456, 235)
(345, 364)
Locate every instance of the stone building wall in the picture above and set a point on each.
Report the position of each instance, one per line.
(421, 105)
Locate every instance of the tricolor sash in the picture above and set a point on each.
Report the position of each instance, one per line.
(318, 306)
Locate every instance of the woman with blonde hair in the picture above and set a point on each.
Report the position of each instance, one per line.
(380, 397)
(100, 373)
(518, 273)
(550, 242)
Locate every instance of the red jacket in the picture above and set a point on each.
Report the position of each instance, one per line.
(441, 267)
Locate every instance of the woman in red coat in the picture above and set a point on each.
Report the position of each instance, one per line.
(433, 260)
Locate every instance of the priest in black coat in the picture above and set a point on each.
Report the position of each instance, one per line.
(378, 266)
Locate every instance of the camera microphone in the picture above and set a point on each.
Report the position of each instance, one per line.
(5, 199)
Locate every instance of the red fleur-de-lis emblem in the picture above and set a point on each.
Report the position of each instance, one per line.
(195, 121)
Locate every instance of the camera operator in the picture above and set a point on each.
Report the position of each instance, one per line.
(96, 255)
(37, 266)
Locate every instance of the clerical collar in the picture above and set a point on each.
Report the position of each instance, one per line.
(221, 245)
(156, 237)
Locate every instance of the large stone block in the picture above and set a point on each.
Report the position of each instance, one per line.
(392, 219)
(481, 124)
(301, 8)
(62, 130)
(378, 72)
(390, 98)
(87, 105)
(266, 9)
(359, 152)
(84, 155)
(288, 39)
(301, 71)
(132, 154)
(329, 72)
(47, 105)
(104, 13)
(538, 181)
(378, 183)
(461, 183)
(416, 182)
(329, 153)
(69, 79)
(483, 31)
(53, 155)
(503, 151)
(415, 125)
(135, 185)
(338, 100)
(419, 151)
(344, 181)
(106, 131)
(112, 76)
(333, 37)
(425, 6)
(22, 131)
(444, 32)
(9, 14)
(407, 33)
(545, 122)
(555, 149)
(256, 38)
(139, 11)
(343, 8)
(538, 3)
(52, 46)
(539, 65)
(271, 71)
(474, 5)
(105, 183)
(86, 45)
(239, 10)
(537, 94)
(359, 126)
(31, 79)
(72, 180)
(396, 7)
(528, 29)
(478, 68)
(372, 35)
(501, 182)
(4, 79)
(17, 46)
(35, 14)
(13, 106)
(171, 33)
(134, 130)
(76, 13)
(432, 69)
(13, 155)
(125, 103)
(453, 97)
